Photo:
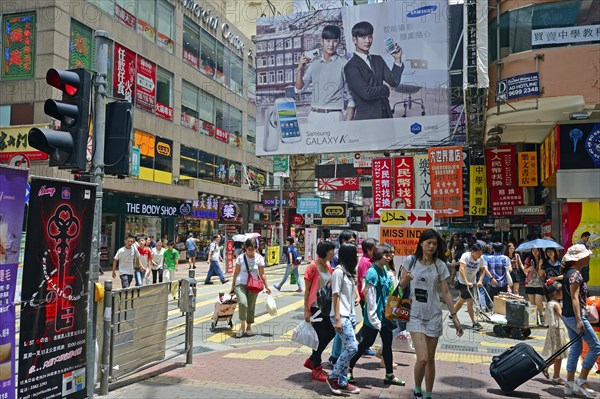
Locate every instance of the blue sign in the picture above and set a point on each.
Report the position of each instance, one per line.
(309, 205)
(419, 12)
(518, 86)
(415, 128)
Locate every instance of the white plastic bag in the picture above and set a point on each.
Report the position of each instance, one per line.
(402, 342)
(271, 305)
(306, 335)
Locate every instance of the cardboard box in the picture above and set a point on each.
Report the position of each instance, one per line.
(499, 305)
(532, 310)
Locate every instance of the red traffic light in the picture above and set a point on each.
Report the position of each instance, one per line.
(66, 81)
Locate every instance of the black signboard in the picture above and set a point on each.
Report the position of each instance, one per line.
(580, 146)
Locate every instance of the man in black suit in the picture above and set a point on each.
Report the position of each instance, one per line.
(365, 74)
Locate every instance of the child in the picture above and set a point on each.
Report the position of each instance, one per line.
(556, 336)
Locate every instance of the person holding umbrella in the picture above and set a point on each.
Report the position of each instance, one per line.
(534, 281)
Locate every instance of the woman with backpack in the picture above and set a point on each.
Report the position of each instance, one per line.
(293, 261)
(316, 276)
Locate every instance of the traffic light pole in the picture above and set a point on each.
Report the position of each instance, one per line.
(101, 38)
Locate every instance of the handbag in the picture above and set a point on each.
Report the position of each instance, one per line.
(254, 284)
(592, 314)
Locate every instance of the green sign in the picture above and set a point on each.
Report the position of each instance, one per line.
(135, 161)
(281, 166)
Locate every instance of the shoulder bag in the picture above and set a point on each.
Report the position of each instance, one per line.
(399, 307)
(254, 284)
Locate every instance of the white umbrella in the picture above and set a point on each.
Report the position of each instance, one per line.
(239, 238)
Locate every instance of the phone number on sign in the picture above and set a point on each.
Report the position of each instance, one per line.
(523, 90)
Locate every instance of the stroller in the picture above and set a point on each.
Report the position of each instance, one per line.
(224, 309)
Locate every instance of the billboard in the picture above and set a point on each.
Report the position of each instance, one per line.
(319, 89)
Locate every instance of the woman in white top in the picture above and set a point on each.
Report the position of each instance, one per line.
(251, 261)
(426, 271)
(158, 253)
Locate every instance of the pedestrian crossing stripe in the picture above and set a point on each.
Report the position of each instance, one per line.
(259, 354)
(500, 345)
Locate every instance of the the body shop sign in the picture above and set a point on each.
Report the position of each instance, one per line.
(145, 95)
(124, 73)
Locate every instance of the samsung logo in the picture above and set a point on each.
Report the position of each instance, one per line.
(419, 12)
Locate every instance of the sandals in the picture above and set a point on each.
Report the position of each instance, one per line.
(393, 380)
(350, 377)
(249, 333)
(239, 334)
(558, 381)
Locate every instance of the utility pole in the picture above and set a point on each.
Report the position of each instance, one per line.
(281, 251)
(101, 38)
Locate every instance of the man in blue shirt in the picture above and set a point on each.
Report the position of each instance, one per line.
(499, 267)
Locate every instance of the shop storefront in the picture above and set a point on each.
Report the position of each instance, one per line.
(201, 220)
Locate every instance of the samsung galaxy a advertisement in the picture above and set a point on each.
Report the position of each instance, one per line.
(361, 78)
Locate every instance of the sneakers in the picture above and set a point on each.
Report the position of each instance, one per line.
(369, 352)
(277, 287)
(417, 395)
(208, 283)
(349, 388)
(319, 374)
(309, 364)
(224, 281)
(299, 290)
(477, 327)
(586, 392)
(334, 385)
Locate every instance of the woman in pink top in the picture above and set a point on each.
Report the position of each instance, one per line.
(317, 275)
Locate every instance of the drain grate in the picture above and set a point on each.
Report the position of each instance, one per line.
(459, 348)
(496, 351)
(202, 349)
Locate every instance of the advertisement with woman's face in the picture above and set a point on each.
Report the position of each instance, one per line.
(358, 78)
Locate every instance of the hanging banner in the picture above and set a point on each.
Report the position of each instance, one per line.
(310, 248)
(80, 47)
(18, 45)
(229, 256)
(124, 73)
(422, 182)
(501, 167)
(356, 220)
(504, 200)
(145, 94)
(52, 339)
(13, 183)
(445, 166)
(477, 191)
(527, 169)
(382, 184)
(338, 184)
(403, 181)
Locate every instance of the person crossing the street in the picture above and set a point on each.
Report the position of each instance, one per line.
(214, 256)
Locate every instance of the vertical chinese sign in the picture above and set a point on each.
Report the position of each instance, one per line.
(13, 184)
(18, 46)
(145, 93)
(382, 184)
(124, 73)
(445, 167)
(504, 200)
(501, 167)
(422, 182)
(52, 339)
(80, 47)
(528, 169)
(478, 191)
(403, 181)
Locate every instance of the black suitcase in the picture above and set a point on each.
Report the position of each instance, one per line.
(521, 363)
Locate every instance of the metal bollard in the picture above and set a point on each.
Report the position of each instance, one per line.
(106, 334)
(188, 300)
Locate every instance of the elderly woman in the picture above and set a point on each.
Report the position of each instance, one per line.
(250, 262)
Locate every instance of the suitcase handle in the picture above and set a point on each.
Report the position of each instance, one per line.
(564, 348)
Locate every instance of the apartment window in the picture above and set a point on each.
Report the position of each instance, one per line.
(271, 45)
(251, 133)
(236, 77)
(280, 76)
(165, 25)
(289, 75)
(271, 76)
(261, 62)
(207, 107)
(221, 114)
(261, 46)
(188, 163)
(189, 106)
(288, 44)
(208, 55)
(235, 127)
(297, 42)
(271, 60)
(146, 16)
(191, 43)
(297, 56)
(251, 88)
(279, 60)
(288, 58)
(278, 44)
(220, 72)
(164, 94)
(262, 78)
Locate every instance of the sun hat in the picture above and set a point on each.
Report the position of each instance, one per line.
(576, 252)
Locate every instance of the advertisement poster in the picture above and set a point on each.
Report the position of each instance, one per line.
(580, 146)
(402, 94)
(501, 165)
(528, 169)
(145, 94)
(124, 73)
(338, 184)
(478, 191)
(445, 168)
(334, 214)
(52, 339)
(310, 249)
(229, 255)
(504, 200)
(382, 184)
(80, 46)
(18, 45)
(550, 152)
(14, 145)
(422, 182)
(403, 228)
(403, 181)
(13, 184)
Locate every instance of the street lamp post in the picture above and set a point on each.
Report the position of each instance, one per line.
(281, 252)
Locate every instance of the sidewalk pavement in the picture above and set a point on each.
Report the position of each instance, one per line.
(276, 371)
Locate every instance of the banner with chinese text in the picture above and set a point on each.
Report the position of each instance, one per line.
(80, 47)
(403, 181)
(14, 144)
(478, 191)
(445, 168)
(382, 184)
(145, 94)
(504, 200)
(18, 46)
(52, 339)
(528, 169)
(13, 184)
(124, 73)
(501, 167)
(422, 182)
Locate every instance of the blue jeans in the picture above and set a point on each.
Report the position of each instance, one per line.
(126, 280)
(214, 270)
(349, 349)
(336, 349)
(288, 271)
(590, 338)
(139, 277)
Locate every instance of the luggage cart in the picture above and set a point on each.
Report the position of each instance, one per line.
(224, 309)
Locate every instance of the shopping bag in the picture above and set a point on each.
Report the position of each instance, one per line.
(393, 306)
(306, 335)
(402, 341)
(271, 305)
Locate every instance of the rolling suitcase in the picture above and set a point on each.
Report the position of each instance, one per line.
(521, 363)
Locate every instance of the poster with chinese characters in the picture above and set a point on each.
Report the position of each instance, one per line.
(124, 73)
(501, 167)
(14, 143)
(528, 169)
(445, 167)
(124, 16)
(18, 46)
(403, 181)
(382, 184)
(145, 94)
(504, 200)
(13, 184)
(422, 182)
(80, 47)
(477, 191)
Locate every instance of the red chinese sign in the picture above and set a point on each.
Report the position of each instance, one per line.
(298, 219)
(445, 169)
(145, 94)
(164, 111)
(124, 73)
(221, 135)
(191, 58)
(125, 17)
(19, 46)
(501, 166)
(338, 184)
(189, 121)
(404, 176)
(208, 129)
(504, 200)
(382, 184)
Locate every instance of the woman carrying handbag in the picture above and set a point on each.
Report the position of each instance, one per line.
(249, 280)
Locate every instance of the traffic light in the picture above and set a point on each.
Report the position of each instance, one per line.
(67, 147)
(118, 138)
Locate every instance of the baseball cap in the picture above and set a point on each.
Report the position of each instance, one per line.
(576, 252)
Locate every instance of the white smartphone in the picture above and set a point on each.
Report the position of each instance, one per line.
(271, 139)
(312, 54)
(287, 119)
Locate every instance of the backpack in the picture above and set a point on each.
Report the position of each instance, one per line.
(325, 298)
(296, 257)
